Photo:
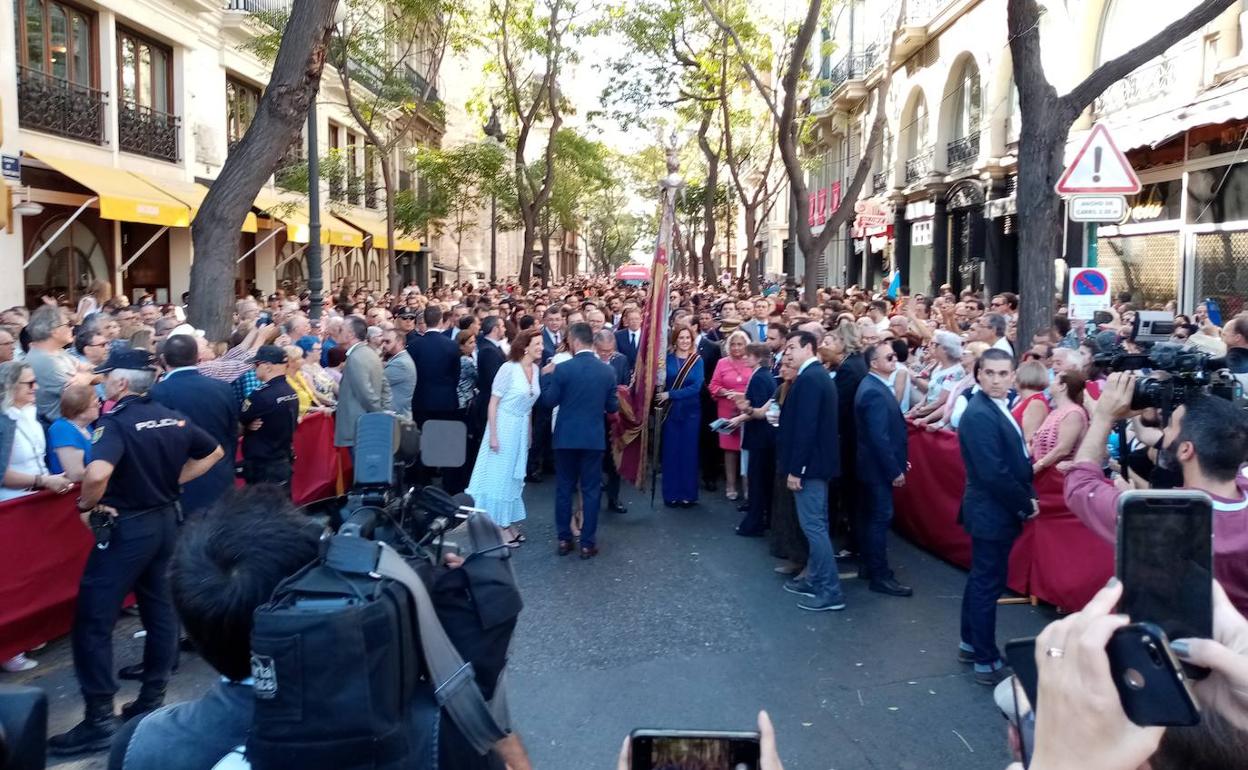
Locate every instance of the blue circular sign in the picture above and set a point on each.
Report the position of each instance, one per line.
(1091, 283)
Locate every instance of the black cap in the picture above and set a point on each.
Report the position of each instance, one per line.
(407, 315)
(129, 358)
(270, 354)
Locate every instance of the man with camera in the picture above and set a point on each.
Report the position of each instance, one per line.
(1207, 438)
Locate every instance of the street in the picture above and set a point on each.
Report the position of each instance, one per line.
(681, 624)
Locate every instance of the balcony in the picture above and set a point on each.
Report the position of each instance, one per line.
(366, 75)
(848, 78)
(57, 106)
(1147, 83)
(912, 35)
(961, 154)
(149, 132)
(919, 166)
(879, 182)
(418, 83)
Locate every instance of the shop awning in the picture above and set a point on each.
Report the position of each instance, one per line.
(120, 197)
(192, 194)
(1224, 103)
(375, 227)
(295, 215)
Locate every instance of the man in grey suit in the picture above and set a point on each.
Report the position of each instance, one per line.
(364, 388)
(400, 371)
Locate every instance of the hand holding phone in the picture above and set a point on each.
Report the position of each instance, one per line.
(650, 749)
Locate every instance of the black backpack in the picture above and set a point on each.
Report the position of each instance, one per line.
(352, 665)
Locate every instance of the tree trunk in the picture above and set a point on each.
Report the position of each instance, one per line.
(282, 110)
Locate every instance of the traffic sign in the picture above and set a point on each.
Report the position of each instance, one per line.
(1089, 292)
(1097, 208)
(1098, 167)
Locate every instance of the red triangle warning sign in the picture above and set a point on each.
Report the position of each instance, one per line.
(1098, 167)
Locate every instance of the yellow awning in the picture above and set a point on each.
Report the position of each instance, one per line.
(192, 194)
(120, 197)
(294, 214)
(375, 226)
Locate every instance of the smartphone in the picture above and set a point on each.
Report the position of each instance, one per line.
(1150, 680)
(1102, 317)
(264, 319)
(1165, 562)
(658, 749)
(1024, 724)
(1021, 655)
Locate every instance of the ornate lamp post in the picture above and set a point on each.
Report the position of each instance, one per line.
(494, 132)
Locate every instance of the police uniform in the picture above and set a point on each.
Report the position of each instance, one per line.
(267, 451)
(147, 444)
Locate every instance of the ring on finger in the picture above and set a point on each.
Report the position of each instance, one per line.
(1055, 652)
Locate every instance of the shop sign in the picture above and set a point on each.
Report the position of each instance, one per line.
(12, 167)
(921, 233)
(822, 202)
(1097, 208)
(920, 210)
(870, 214)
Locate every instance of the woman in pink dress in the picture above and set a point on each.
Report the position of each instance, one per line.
(732, 374)
(1060, 433)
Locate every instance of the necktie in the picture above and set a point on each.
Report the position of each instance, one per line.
(762, 331)
(634, 337)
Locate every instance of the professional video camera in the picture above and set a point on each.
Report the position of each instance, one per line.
(1175, 374)
(357, 656)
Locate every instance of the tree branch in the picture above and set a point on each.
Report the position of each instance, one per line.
(745, 59)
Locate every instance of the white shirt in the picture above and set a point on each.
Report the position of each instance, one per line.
(1004, 406)
(29, 448)
(1003, 344)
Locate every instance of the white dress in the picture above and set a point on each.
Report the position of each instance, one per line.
(497, 483)
(29, 448)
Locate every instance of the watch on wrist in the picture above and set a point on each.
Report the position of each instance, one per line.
(78, 505)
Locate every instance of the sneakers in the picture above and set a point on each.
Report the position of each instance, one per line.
(19, 663)
(994, 677)
(800, 587)
(825, 603)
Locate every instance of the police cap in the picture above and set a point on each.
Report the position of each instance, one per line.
(270, 354)
(129, 358)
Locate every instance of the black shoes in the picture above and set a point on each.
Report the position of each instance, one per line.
(94, 733)
(533, 478)
(151, 697)
(749, 532)
(890, 587)
(616, 507)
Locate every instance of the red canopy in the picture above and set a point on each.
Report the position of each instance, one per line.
(633, 273)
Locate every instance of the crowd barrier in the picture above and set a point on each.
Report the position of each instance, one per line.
(1056, 560)
(44, 545)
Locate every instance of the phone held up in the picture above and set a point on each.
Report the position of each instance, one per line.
(1165, 562)
(657, 749)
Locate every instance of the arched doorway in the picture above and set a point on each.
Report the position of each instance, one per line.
(965, 204)
(72, 260)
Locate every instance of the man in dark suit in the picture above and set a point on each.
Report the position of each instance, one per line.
(208, 403)
(809, 454)
(541, 457)
(584, 389)
(436, 397)
(881, 457)
(628, 339)
(849, 375)
(710, 456)
(758, 438)
(998, 498)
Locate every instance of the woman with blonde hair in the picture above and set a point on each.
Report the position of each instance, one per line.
(1032, 407)
(93, 301)
(732, 374)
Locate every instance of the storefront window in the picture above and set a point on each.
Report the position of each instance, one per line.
(1156, 202)
(1145, 265)
(1218, 194)
(1222, 270)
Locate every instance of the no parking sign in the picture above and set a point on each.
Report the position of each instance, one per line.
(1089, 292)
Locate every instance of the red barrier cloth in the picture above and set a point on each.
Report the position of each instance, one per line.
(1057, 559)
(44, 546)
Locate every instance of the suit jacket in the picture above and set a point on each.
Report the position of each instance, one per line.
(363, 390)
(624, 344)
(584, 389)
(881, 433)
(808, 442)
(436, 357)
(490, 359)
(401, 376)
(710, 351)
(211, 405)
(619, 364)
(549, 346)
(998, 494)
(759, 434)
(750, 327)
(849, 375)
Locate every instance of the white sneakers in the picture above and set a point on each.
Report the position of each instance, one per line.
(19, 663)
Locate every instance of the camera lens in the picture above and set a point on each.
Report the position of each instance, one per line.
(1154, 654)
(1133, 678)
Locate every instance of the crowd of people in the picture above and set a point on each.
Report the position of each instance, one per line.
(801, 410)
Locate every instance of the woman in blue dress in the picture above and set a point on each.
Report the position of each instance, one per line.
(681, 413)
(497, 483)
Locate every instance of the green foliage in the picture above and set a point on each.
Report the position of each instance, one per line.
(458, 184)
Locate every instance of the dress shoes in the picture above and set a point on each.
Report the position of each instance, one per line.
(135, 672)
(566, 547)
(616, 507)
(749, 532)
(590, 552)
(890, 587)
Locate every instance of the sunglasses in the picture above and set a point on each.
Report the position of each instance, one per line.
(26, 382)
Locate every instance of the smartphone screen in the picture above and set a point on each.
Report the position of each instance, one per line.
(675, 750)
(1165, 560)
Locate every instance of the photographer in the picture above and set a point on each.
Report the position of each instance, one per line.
(225, 566)
(1207, 438)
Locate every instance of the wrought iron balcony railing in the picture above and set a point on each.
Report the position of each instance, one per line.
(418, 83)
(1146, 83)
(58, 106)
(879, 182)
(854, 66)
(919, 166)
(149, 132)
(258, 6)
(962, 153)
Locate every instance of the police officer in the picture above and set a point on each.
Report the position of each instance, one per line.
(269, 417)
(141, 453)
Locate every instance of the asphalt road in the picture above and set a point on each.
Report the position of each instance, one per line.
(681, 624)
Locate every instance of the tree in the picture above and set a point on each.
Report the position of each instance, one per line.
(531, 49)
(790, 128)
(282, 110)
(1046, 122)
(581, 169)
(459, 183)
(611, 231)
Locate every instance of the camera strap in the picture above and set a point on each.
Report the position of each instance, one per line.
(453, 678)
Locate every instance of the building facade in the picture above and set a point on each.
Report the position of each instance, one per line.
(940, 203)
(118, 118)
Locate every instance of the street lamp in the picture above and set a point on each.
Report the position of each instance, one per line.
(316, 282)
(494, 131)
